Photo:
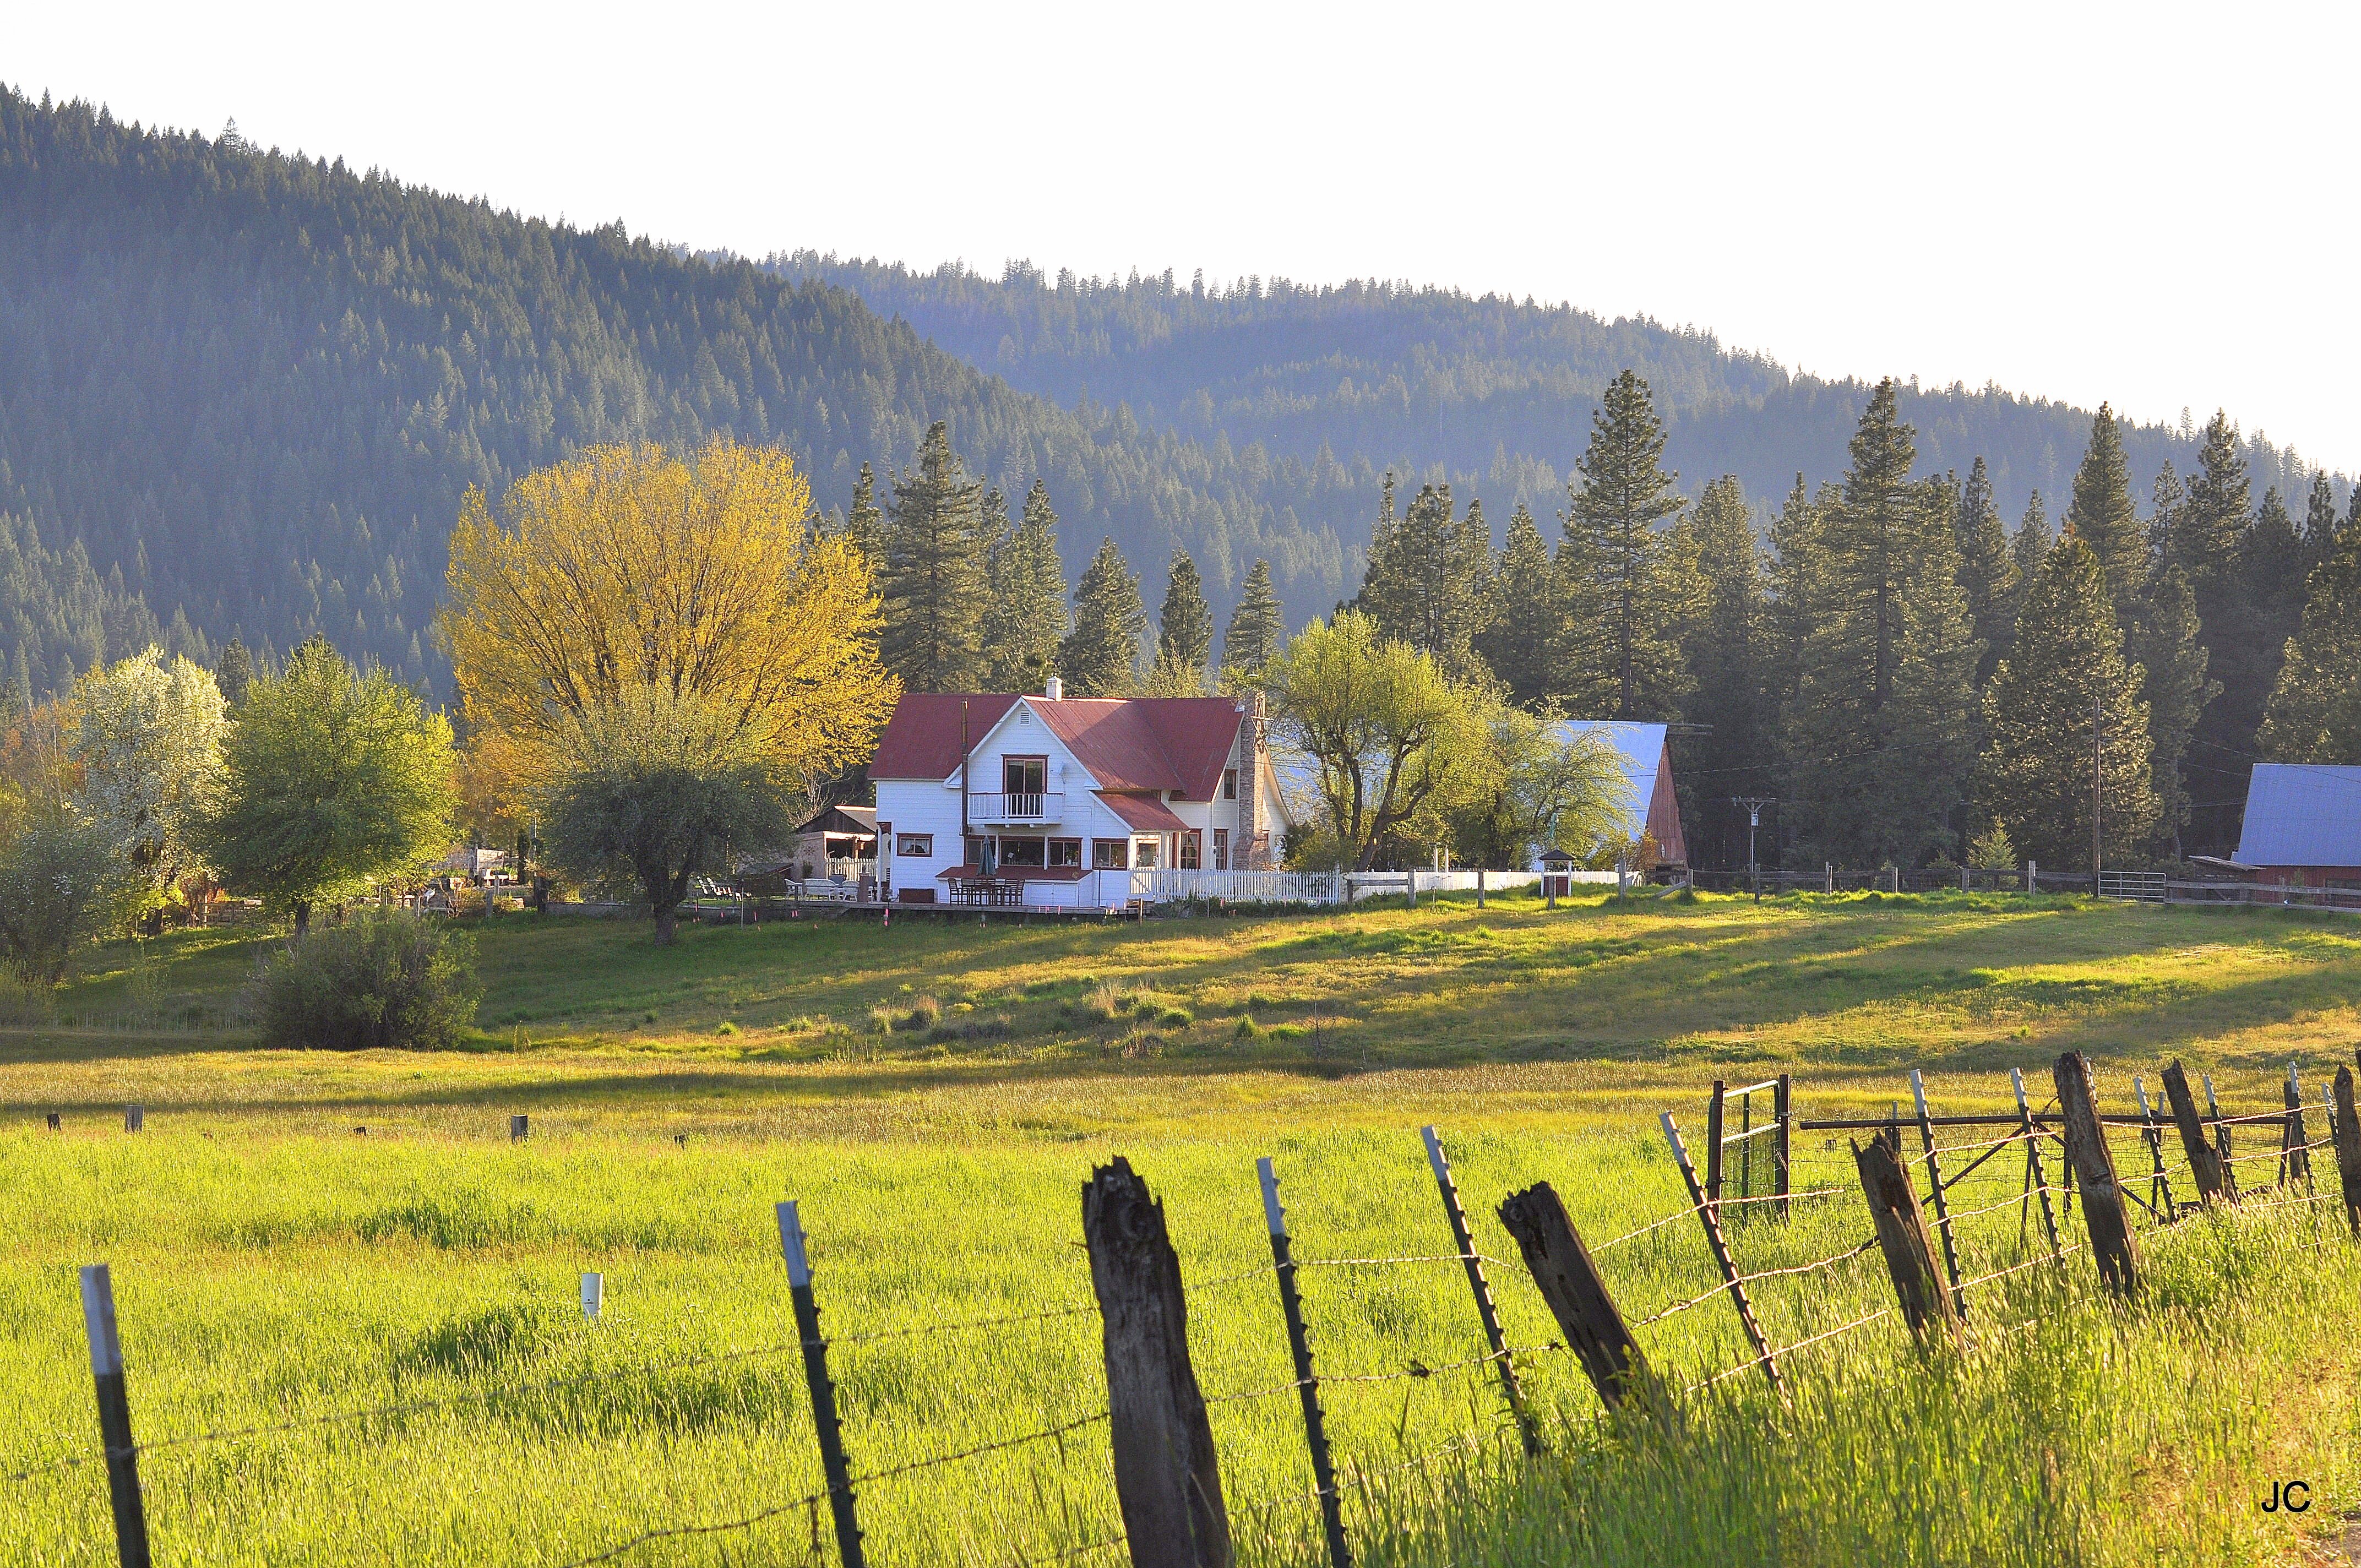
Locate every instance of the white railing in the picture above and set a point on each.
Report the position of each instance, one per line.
(1015, 808)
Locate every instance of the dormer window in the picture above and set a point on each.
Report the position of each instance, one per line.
(1229, 784)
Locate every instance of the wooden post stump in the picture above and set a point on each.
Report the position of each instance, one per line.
(2088, 1156)
(2347, 1133)
(1918, 1284)
(1166, 1475)
(1577, 1297)
(2204, 1161)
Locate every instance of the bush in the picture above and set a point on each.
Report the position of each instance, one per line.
(381, 981)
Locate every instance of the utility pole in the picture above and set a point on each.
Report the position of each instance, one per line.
(1755, 804)
(2097, 776)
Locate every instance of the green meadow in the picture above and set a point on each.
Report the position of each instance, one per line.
(397, 1305)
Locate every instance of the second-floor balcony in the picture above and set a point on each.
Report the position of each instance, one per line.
(1014, 810)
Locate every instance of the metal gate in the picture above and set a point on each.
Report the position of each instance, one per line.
(2137, 887)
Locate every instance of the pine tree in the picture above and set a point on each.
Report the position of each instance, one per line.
(934, 577)
(2031, 547)
(2265, 609)
(2101, 515)
(1723, 646)
(2164, 503)
(2066, 678)
(1986, 573)
(1426, 584)
(1523, 625)
(1184, 634)
(235, 671)
(2315, 710)
(2319, 521)
(1795, 551)
(2205, 540)
(1100, 656)
(1257, 627)
(1613, 513)
(2169, 647)
(1024, 615)
(865, 525)
(1881, 730)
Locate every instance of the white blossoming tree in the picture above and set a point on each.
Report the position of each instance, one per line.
(147, 734)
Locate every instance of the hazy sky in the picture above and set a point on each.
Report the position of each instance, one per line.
(2149, 204)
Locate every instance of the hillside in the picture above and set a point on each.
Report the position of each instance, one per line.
(1493, 394)
(257, 386)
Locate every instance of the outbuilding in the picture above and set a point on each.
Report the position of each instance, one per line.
(2302, 826)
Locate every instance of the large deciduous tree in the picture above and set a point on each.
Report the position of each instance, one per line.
(631, 566)
(331, 781)
(1525, 786)
(148, 737)
(2066, 716)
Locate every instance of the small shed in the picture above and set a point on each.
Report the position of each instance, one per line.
(2304, 825)
(839, 841)
(1557, 868)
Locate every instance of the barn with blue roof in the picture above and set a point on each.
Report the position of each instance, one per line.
(2304, 825)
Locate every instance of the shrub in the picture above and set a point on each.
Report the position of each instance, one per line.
(1175, 1018)
(924, 1013)
(382, 981)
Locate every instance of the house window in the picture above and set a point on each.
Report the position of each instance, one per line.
(1024, 775)
(1066, 852)
(1107, 854)
(1221, 849)
(1143, 852)
(981, 855)
(920, 846)
(1191, 846)
(1229, 784)
(1021, 853)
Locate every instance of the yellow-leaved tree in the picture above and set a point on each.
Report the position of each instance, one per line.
(632, 569)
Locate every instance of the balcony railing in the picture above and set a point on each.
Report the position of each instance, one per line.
(992, 809)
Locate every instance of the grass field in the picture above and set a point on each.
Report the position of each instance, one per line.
(935, 1095)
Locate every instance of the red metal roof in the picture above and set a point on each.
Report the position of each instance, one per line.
(922, 738)
(1126, 743)
(1144, 813)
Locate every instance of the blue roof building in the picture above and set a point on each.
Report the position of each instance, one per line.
(2303, 823)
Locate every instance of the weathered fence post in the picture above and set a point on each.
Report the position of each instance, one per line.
(135, 1118)
(1465, 1241)
(2346, 1131)
(1480, 887)
(1307, 1383)
(2295, 1160)
(520, 1129)
(1716, 1121)
(2033, 1156)
(57, 1123)
(2222, 1140)
(1712, 1218)
(1577, 1296)
(114, 1416)
(2094, 1163)
(1935, 1191)
(1782, 1145)
(1893, 1208)
(1167, 1477)
(2204, 1163)
(833, 1468)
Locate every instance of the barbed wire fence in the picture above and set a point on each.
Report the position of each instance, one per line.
(1940, 1251)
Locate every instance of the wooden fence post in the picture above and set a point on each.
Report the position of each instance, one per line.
(1167, 1477)
(1935, 1191)
(135, 1118)
(2033, 1156)
(520, 1129)
(2204, 1163)
(2094, 1163)
(1577, 1296)
(2294, 1158)
(1927, 1306)
(832, 1465)
(114, 1416)
(1483, 1291)
(1783, 1099)
(1715, 1116)
(2347, 1130)
(1711, 1216)
(2221, 1140)
(1307, 1382)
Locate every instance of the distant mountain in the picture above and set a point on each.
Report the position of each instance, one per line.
(248, 390)
(1494, 395)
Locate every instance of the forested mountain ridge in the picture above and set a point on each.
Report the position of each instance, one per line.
(1490, 394)
(257, 386)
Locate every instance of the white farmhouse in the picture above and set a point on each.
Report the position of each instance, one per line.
(1064, 802)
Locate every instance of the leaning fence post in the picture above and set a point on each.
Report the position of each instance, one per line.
(2094, 1163)
(2033, 1156)
(1712, 1218)
(2347, 1130)
(1167, 1477)
(1465, 1241)
(1935, 1191)
(114, 1416)
(1902, 1237)
(2204, 1164)
(1782, 1147)
(1577, 1296)
(823, 1392)
(1307, 1382)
